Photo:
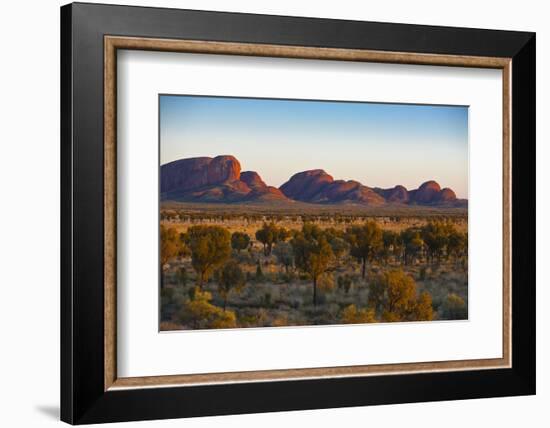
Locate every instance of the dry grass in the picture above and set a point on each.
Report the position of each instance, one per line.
(250, 227)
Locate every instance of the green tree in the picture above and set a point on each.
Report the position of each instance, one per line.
(365, 242)
(231, 278)
(423, 309)
(171, 246)
(412, 245)
(392, 245)
(269, 235)
(311, 231)
(240, 241)
(312, 256)
(436, 235)
(337, 243)
(394, 295)
(457, 244)
(210, 248)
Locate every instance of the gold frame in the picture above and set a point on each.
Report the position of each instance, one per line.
(112, 43)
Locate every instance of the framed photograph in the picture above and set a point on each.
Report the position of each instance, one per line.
(265, 213)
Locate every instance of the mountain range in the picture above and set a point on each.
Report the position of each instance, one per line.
(221, 180)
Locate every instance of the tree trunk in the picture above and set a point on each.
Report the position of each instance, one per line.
(201, 280)
(315, 291)
(363, 269)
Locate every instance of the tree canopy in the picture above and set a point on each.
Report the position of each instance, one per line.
(365, 242)
(231, 277)
(171, 244)
(269, 235)
(210, 248)
(240, 241)
(312, 254)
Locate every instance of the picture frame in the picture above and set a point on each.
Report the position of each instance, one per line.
(91, 390)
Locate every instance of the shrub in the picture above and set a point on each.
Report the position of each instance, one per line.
(454, 307)
(345, 282)
(200, 313)
(394, 294)
(352, 315)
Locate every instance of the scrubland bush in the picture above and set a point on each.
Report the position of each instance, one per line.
(352, 315)
(454, 307)
(200, 313)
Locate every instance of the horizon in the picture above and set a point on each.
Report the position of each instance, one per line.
(416, 143)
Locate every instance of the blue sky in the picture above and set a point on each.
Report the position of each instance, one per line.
(380, 145)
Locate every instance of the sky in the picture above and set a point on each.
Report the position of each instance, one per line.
(380, 145)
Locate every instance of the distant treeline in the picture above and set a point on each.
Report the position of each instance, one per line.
(194, 217)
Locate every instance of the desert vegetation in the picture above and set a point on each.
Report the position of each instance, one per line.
(365, 234)
(246, 268)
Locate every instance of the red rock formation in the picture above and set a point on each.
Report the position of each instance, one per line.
(252, 179)
(446, 195)
(186, 174)
(316, 186)
(260, 190)
(223, 168)
(267, 193)
(341, 191)
(427, 192)
(365, 195)
(216, 179)
(220, 179)
(397, 194)
(337, 190)
(303, 186)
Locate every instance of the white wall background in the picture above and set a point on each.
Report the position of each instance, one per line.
(29, 213)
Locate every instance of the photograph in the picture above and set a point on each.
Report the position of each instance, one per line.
(280, 212)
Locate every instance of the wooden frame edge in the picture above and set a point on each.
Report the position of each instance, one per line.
(112, 43)
(507, 213)
(301, 52)
(110, 214)
(299, 374)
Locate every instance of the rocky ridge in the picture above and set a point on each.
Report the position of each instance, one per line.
(220, 179)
